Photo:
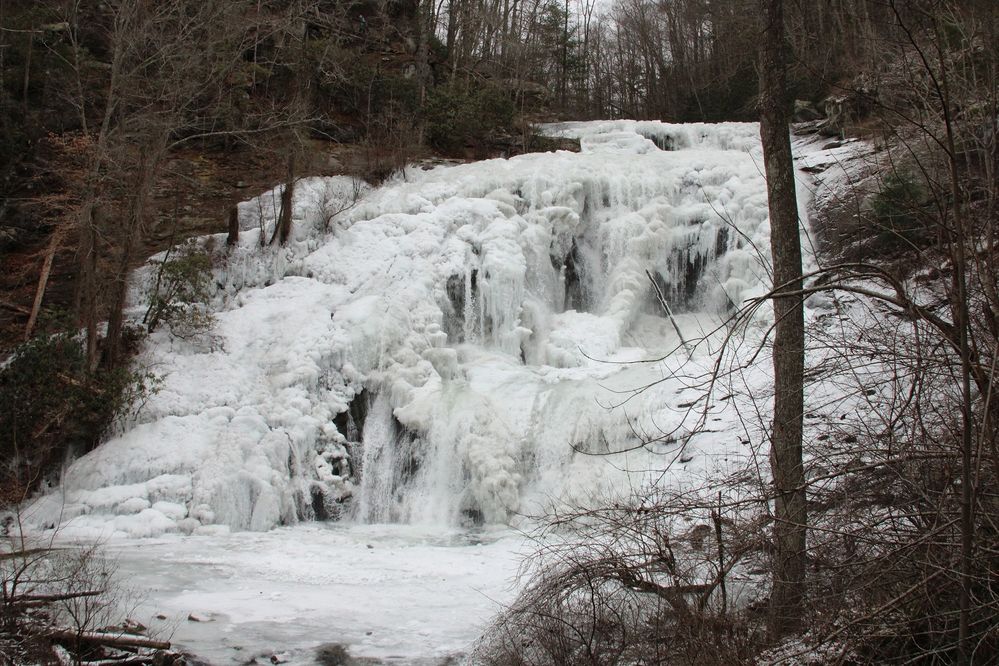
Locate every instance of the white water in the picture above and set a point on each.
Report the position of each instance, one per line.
(379, 467)
(446, 355)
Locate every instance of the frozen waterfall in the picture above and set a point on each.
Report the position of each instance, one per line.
(449, 351)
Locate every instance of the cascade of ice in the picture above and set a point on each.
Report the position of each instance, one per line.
(379, 464)
(556, 272)
(489, 310)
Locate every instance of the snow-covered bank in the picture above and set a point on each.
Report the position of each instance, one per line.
(442, 354)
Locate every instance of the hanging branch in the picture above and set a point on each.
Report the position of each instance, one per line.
(669, 312)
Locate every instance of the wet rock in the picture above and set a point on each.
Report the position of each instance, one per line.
(333, 654)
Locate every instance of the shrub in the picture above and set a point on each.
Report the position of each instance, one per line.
(181, 294)
(66, 604)
(896, 209)
(633, 583)
(54, 405)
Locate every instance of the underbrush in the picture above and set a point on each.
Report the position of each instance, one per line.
(458, 117)
(64, 604)
(683, 577)
(661, 578)
(55, 406)
(894, 567)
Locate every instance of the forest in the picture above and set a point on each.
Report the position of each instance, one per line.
(154, 160)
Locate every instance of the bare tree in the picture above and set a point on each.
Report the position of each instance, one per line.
(790, 518)
(173, 70)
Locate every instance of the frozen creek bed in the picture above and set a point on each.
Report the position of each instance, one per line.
(395, 594)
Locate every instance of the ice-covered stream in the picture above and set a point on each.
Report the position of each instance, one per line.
(399, 594)
(443, 355)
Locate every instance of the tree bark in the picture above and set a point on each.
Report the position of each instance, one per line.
(43, 280)
(282, 226)
(88, 280)
(790, 518)
(133, 233)
(232, 239)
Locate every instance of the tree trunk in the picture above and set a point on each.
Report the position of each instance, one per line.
(87, 291)
(43, 280)
(425, 29)
(282, 227)
(452, 31)
(790, 519)
(232, 239)
(26, 84)
(129, 241)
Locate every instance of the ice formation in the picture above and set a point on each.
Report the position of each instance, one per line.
(446, 348)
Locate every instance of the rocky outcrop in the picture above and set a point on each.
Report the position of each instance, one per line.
(846, 109)
(805, 111)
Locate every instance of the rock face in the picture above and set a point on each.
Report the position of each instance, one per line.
(845, 109)
(529, 89)
(805, 111)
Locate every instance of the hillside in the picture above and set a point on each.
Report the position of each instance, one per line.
(313, 321)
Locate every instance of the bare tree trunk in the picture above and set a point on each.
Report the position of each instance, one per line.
(88, 279)
(133, 234)
(232, 239)
(282, 227)
(453, 9)
(425, 28)
(563, 85)
(43, 280)
(960, 306)
(790, 518)
(27, 73)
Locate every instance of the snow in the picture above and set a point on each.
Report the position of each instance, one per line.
(486, 315)
(449, 349)
(396, 593)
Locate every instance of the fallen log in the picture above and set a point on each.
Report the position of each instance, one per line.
(110, 640)
(14, 307)
(66, 659)
(17, 554)
(33, 600)
(43, 280)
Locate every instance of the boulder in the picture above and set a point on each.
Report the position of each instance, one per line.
(805, 111)
(845, 109)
